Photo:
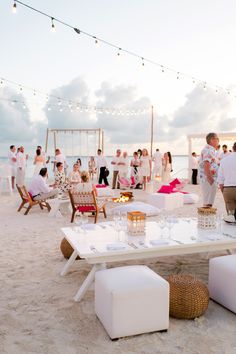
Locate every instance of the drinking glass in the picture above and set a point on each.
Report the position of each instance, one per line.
(78, 221)
(162, 225)
(170, 224)
(84, 220)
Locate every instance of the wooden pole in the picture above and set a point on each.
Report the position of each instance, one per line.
(152, 119)
(55, 141)
(46, 144)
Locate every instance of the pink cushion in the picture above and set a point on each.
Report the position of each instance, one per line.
(174, 182)
(31, 196)
(101, 186)
(124, 181)
(166, 189)
(86, 208)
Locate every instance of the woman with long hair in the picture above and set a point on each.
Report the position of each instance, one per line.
(146, 167)
(166, 167)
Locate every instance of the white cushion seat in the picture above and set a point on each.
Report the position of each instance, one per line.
(131, 300)
(190, 198)
(148, 209)
(222, 281)
(166, 201)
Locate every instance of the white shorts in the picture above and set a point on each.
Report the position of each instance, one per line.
(208, 192)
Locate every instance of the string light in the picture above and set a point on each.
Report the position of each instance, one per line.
(53, 25)
(96, 41)
(143, 62)
(100, 40)
(14, 8)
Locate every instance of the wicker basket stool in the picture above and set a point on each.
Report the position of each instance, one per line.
(189, 297)
(66, 249)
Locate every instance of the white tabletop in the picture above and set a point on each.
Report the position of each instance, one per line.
(93, 243)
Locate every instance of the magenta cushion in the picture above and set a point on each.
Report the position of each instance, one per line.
(101, 186)
(174, 182)
(166, 189)
(124, 181)
(132, 180)
(86, 208)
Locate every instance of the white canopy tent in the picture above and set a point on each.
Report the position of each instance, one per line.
(231, 136)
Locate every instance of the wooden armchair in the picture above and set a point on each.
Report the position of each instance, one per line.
(86, 202)
(27, 199)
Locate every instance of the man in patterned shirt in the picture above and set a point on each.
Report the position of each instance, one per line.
(208, 169)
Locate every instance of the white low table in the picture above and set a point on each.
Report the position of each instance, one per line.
(186, 238)
(166, 201)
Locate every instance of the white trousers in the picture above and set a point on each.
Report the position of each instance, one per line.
(20, 176)
(208, 192)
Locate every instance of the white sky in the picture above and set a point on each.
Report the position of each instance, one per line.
(194, 37)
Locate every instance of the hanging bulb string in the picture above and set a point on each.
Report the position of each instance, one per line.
(100, 40)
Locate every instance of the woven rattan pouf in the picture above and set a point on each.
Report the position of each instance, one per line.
(189, 297)
(66, 249)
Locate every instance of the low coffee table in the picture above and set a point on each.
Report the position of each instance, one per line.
(95, 244)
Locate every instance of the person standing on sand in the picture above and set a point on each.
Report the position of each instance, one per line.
(21, 159)
(115, 162)
(157, 159)
(208, 169)
(227, 182)
(194, 167)
(102, 165)
(12, 163)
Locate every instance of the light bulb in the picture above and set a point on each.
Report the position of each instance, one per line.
(119, 53)
(14, 8)
(53, 25)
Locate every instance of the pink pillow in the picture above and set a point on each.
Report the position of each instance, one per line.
(101, 186)
(124, 181)
(166, 189)
(132, 180)
(174, 182)
(86, 208)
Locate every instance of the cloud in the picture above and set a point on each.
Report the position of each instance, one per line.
(15, 124)
(203, 111)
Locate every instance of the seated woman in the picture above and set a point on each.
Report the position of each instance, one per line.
(85, 186)
(92, 167)
(60, 178)
(74, 176)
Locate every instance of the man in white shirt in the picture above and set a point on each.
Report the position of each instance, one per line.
(21, 159)
(157, 158)
(227, 182)
(224, 153)
(115, 162)
(12, 163)
(39, 188)
(194, 167)
(102, 166)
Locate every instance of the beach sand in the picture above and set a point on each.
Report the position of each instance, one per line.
(37, 310)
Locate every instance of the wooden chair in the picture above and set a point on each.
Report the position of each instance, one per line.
(27, 199)
(86, 202)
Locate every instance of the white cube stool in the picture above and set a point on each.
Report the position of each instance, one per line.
(131, 300)
(222, 281)
(166, 201)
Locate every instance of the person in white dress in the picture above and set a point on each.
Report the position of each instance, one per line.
(12, 163)
(39, 162)
(166, 167)
(74, 176)
(21, 159)
(92, 167)
(146, 167)
(157, 159)
(123, 165)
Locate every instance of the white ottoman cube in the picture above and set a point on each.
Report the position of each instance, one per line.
(131, 300)
(166, 201)
(222, 281)
(190, 198)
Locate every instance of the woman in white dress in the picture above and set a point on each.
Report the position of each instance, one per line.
(74, 176)
(39, 162)
(146, 167)
(166, 167)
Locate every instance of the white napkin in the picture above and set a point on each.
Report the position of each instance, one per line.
(159, 242)
(88, 226)
(116, 246)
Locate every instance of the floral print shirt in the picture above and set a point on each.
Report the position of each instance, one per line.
(208, 154)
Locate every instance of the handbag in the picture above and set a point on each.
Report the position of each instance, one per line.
(107, 172)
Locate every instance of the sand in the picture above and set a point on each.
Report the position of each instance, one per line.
(37, 311)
